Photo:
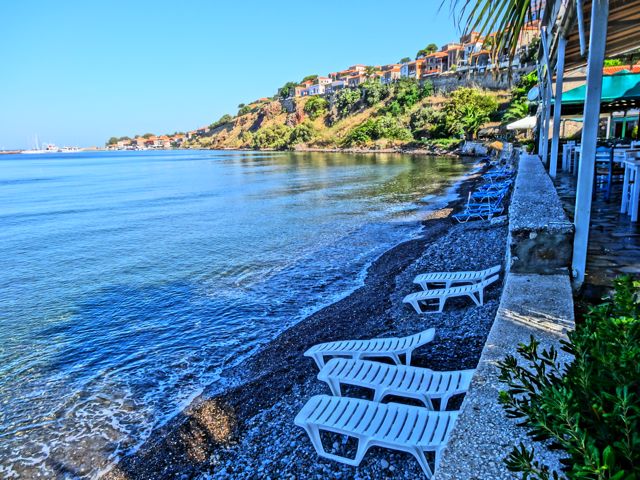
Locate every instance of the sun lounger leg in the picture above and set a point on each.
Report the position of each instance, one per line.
(475, 300)
(396, 358)
(422, 460)
(416, 307)
(314, 435)
(334, 386)
(441, 303)
(319, 360)
(407, 357)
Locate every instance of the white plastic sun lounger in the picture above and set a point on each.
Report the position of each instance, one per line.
(378, 347)
(410, 382)
(448, 279)
(406, 428)
(474, 291)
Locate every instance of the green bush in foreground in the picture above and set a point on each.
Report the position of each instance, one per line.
(591, 408)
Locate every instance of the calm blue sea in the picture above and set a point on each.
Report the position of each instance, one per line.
(129, 279)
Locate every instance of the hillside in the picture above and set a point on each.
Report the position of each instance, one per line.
(373, 116)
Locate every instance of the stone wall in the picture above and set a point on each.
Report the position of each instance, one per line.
(488, 79)
(540, 234)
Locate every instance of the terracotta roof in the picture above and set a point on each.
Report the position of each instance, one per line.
(619, 68)
(437, 55)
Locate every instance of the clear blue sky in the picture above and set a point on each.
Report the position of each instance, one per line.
(78, 72)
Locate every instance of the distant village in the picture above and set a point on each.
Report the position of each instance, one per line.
(471, 54)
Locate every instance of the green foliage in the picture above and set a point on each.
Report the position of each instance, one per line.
(405, 60)
(532, 51)
(244, 110)
(223, 120)
(375, 129)
(302, 133)
(276, 137)
(613, 62)
(287, 90)
(373, 92)
(466, 110)
(316, 107)
(445, 143)
(309, 78)
(405, 93)
(426, 90)
(346, 101)
(591, 408)
(519, 106)
(427, 122)
(148, 135)
(112, 141)
(431, 48)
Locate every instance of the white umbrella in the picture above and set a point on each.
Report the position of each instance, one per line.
(526, 123)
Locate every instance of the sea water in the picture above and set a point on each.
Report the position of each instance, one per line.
(128, 280)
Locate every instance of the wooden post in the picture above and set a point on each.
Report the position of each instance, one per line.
(557, 108)
(597, 44)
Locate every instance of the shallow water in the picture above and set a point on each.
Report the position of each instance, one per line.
(129, 279)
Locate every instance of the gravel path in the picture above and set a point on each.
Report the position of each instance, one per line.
(246, 429)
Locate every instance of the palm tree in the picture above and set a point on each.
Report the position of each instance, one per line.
(505, 18)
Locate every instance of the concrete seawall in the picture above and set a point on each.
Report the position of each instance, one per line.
(537, 300)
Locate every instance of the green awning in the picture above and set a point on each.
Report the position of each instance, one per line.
(620, 90)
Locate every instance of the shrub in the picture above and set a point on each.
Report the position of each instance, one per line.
(346, 101)
(407, 92)
(276, 137)
(223, 120)
(316, 107)
(427, 122)
(244, 110)
(590, 409)
(466, 110)
(302, 133)
(375, 129)
(373, 92)
(444, 143)
(287, 90)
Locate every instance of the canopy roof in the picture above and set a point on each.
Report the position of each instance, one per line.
(619, 92)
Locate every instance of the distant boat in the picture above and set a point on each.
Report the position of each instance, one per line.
(46, 148)
(70, 149)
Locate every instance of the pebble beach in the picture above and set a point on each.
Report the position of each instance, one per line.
(242, 427)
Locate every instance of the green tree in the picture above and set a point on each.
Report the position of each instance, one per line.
(244, 110)
(427, 122)
(316, 107)
(302, 133)
(223, 120)
(373, 92)
(287, 90)
(407, 92)
(370, 71)
(276, 137)
(148, 135)
(405, 60)
(466, 110)
(386, 126)
(431, 48)
(346, 101)
(112, 141)
(309, 78)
